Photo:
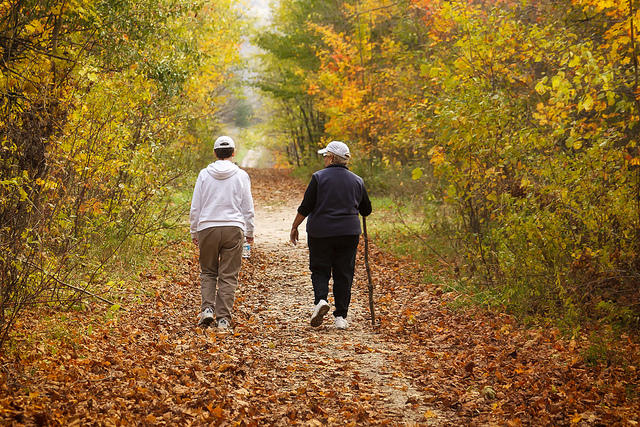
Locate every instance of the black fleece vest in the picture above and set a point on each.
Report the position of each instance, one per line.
(340, 192)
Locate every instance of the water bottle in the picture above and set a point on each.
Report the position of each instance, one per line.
(246, 250)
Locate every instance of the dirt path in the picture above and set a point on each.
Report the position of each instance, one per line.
(356, 365)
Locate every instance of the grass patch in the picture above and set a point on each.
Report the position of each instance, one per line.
(412, 228)
(303, 173)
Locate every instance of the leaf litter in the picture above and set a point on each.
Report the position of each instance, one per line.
(423, 364)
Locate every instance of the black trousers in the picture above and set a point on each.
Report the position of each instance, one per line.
(333, 256)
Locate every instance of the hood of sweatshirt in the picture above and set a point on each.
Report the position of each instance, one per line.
(222, 169)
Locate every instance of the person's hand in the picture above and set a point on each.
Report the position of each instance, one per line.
(293, 237)
(249, 240)
(195, 241)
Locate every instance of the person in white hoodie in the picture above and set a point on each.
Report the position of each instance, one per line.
(221, 218)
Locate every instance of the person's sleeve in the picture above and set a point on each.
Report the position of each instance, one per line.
(194, 213)
(310, 197)
(365, 204)
(247, 208)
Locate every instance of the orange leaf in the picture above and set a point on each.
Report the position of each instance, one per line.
(217, 412)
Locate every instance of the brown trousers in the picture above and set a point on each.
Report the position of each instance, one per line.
(220, 260)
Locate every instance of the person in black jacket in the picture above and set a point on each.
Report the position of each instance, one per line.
(332, 201)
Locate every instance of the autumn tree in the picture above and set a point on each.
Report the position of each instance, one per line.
(101, 105)
(519, 117)
(289, 66)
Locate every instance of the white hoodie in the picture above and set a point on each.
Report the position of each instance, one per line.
(222, 197)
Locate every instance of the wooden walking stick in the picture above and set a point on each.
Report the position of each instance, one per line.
(366, 264)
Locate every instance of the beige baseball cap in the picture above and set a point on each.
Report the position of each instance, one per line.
(336, 147)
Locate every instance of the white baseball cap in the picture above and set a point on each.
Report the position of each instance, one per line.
(336, 147)
(224, 142)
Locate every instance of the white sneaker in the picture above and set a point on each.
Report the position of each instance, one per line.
(341, 323)
(206, 317)
(319, 311)
(223, 325)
